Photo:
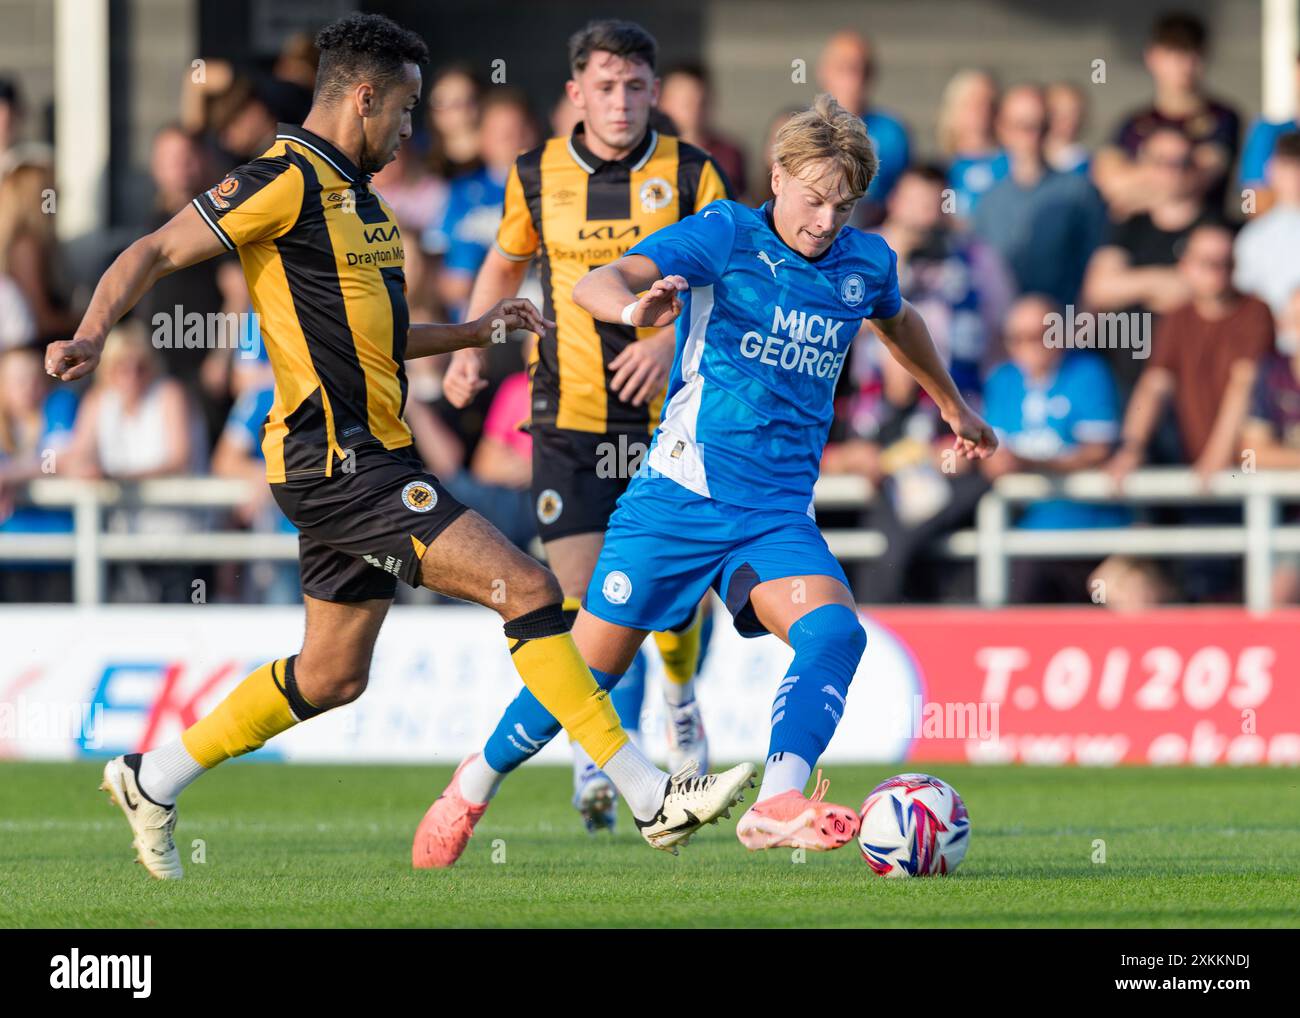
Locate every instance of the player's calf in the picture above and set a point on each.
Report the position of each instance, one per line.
(828, 643)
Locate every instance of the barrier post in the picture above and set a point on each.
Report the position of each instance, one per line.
(1261, 518)
(991, 564)
(87, 567)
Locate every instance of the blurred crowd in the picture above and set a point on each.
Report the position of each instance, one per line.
(1172, 230)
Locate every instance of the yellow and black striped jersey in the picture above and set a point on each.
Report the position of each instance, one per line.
(324, 262)
(576, 212)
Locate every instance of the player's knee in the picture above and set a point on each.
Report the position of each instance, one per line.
(347, 686)
(832, 633)
(535, 587)
(331, 684)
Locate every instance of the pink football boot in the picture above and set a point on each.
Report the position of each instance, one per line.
(447, 826)
(792, 820)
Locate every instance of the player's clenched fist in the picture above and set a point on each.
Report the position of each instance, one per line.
(70, 359)
(659, 305)
(464, 377)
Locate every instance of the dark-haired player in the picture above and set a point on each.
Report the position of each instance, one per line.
(323, 258)
(576, 203)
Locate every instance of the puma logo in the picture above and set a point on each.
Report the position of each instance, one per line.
(763, 257)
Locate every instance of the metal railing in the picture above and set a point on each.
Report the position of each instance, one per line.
(991, 544)
(994, 541)
(89, 548)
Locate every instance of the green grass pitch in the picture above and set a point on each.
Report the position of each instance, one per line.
(330, 846)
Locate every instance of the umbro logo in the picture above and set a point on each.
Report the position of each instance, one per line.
(763, 257)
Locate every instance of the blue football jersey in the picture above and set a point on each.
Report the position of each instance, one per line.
(761, 340)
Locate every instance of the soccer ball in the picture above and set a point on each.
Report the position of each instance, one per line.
(913, 825)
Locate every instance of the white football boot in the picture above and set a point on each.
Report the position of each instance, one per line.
(692, 800)
(686, 738)
(151, 824)
(594, 795)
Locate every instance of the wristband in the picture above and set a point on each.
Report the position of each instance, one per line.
(627, 313)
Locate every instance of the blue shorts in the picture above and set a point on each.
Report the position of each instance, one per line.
(666, 546)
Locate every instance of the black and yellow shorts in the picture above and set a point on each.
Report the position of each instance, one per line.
(366, 526)
(579, 475)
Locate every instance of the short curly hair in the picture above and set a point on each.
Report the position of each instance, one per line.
(364, 47)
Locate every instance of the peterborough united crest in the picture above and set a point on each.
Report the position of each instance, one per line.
(419, 496)
(617, 588)
(853, 289)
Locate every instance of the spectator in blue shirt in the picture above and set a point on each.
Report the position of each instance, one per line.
(847, 70)
(1045, 224)
(1260, 143)
(1056, 411)
(36, 424)
(966, 140)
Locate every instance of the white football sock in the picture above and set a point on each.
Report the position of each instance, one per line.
(478, 781)
(639, 782)
(678, 693)
(783, 772)
(165, 771)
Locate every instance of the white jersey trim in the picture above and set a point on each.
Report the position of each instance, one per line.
(677, 452)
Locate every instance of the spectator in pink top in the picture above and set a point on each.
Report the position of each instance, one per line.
(504, 455)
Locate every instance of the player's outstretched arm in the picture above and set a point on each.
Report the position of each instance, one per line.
(494, 325)
(908, 341)
(182, 241)
(609, 293)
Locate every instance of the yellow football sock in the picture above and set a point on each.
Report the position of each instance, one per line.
(681, 650)
(254, 711)
(548, 661)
